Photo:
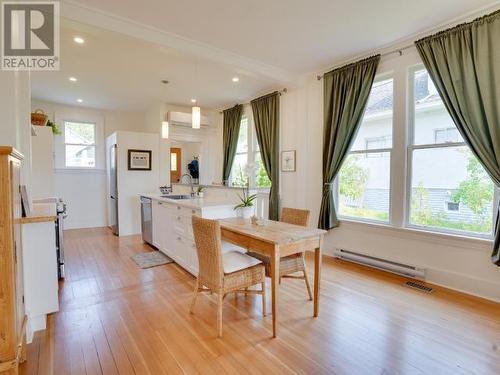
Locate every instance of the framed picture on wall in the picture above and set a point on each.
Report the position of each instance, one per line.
(288, 161)
(139, 160)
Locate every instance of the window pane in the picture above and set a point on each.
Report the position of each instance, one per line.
(80, 156)
(239, 174)
(450, 190)
(79, 133)
(261, 178)
(243, 136)
(364, 186)
(173, 162)
(376, 128)
(433, 123)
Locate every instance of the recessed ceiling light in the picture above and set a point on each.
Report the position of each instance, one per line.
(193, 100)
(235, 79)
(73, 79)
(79, 100)
(78, 40)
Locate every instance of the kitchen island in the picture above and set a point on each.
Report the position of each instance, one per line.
(172, 228)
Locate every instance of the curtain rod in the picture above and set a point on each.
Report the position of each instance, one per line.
(280, 92)
(397, 50)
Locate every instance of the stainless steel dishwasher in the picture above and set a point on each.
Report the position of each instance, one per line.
(146, 220)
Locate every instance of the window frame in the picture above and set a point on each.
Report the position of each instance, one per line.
(379, 77)
(252, 151)
(411, 147)
(94, 145)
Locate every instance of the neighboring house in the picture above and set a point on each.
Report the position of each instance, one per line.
(433, 125)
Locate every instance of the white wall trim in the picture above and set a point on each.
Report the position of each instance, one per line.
(463, 242)
(453, 281)
(79, 171)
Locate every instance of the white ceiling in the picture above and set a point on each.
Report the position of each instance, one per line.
(199, 45)
(115, 71)
(297, 35)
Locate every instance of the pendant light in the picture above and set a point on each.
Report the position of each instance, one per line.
(195, 110)
(164, 129)
(196, 117)
(164, 124)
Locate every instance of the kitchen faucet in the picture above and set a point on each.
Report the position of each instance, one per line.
(190, 182)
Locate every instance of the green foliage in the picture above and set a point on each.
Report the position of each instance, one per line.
(476, 191)
(262, 180)
(421, 212)
(246, 199)
(364, 213)
(352, 178)
(240, 178)
(55, 128)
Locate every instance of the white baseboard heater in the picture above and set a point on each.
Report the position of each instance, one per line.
(381, 264)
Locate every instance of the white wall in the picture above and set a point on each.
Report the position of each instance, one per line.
(42, 173)
(85, 190)
(211, 139)
(462, 264)
(15, 122)
(188, 151)
(132, 183)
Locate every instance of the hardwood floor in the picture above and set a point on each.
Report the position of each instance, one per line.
(118, 319)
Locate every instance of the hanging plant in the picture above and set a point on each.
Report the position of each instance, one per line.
(55, 129)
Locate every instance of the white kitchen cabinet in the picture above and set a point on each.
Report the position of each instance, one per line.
(155, 214)
(173, 231)
(41, 287)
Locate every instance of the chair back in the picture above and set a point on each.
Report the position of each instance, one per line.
(295, 216)
(209, 249)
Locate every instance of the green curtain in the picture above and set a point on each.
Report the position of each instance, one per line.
(266, 118)
(346, 92)
(464, 63)
(230, 133)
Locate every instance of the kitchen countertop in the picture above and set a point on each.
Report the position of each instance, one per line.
(197, 203)
(212, 186)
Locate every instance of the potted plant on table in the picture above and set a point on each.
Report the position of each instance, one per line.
(246, 206)
(200, 191)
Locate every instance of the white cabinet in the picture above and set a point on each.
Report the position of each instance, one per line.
(155, 214)
(40, 274)
(173, 231)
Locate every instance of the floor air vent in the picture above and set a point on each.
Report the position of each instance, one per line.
(418, 286)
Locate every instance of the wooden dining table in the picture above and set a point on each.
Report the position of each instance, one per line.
(276, 239)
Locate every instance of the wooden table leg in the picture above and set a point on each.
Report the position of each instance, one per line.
(317, 277)
(275, 269)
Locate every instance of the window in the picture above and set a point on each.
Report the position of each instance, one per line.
(248, 166)
(452, 206)
(80, 144)
(239, 170)
(364, 179)
(173, 162)
(449, 135)
(449, 190)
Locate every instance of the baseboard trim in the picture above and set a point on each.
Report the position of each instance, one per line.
(455, 281)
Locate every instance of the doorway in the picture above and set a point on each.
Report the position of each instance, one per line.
(175, 164)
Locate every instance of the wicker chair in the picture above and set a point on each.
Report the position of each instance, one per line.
(292, 263)
(223, 273)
